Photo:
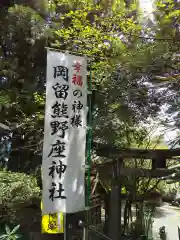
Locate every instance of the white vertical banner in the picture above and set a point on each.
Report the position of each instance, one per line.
(64, 146)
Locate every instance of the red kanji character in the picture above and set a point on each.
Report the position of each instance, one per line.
(77, 66)
(74, 79)
(77, 80)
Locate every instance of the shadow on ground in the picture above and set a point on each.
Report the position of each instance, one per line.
(160, 213)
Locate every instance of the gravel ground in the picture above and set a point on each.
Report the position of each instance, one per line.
(169, 217)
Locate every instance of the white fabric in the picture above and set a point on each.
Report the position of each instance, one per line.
(72, 179)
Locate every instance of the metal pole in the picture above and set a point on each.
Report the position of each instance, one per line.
(88, 163)
(89, 141)
(65, 228)
(179, 232)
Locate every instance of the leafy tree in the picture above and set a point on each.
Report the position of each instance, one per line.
(84, 28)
(166, 62)
(124, 56)
(122, 60)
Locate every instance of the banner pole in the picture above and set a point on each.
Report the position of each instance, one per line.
(65, 227)
(88, 160)
(89, 141)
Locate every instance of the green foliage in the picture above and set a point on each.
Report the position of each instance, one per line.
(122, 59)
(17, 187)
(84, 28)
(4, 98)
(10, 234)
(85, 31)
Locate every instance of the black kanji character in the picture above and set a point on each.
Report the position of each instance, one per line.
(59, 169)
(77, 93)
(53, 190)
(59, 128)
(77, 106)
(76, 121)
(57, 149)
(59, 110)
(61, 71)
(55, 127)
(61, 91)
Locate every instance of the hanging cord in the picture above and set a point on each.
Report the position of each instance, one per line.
(99, 233)
(92, 229)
